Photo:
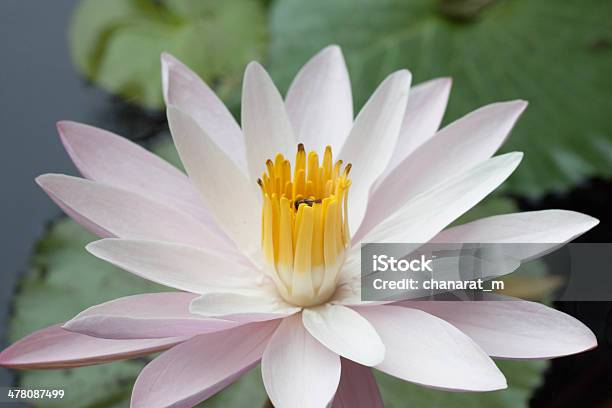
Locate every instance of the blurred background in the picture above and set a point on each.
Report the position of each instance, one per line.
(98, 63)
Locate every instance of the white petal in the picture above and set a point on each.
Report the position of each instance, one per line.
(372, 140)
(265, 123)
(426, 350)
(145, 316)
(110, 159)
(546, 226)
(199, 368)
(186, 90)
(228, 193)
(456, 148)
(345, 332)
(178, 266)
(319, 101)
(424, 112)
(110, 211)
(421, 218)
(297, 370)
(512, 328)
(243, 306)
(357, 387)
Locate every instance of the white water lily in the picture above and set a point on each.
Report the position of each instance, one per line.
(262, 239)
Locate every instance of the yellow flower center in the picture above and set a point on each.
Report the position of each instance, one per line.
(304, 225)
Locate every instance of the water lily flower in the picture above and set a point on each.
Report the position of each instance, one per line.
(261, 239)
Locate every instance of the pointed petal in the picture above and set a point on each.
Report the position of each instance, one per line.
(248, 306)
(265, 123)
(426, 350)
(227, 192)
(197, 369)
(512, 328)
(54, 347)
(546, 226)
(186, 90)
(372, 140)
(421, 218)
(358, 388)
(424, 112)
(345, 332)
(297, 370)
(319, 101)
(146, 316)
(110, 159)
(174, 265)
(455, 149)
(112, 211)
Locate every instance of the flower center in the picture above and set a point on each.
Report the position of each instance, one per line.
(304, 225)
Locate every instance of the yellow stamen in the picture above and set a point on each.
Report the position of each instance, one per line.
(305, 224)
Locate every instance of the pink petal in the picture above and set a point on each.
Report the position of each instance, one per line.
(424, 112)
(373, 138)
(541, 230)
(236, 209)
(421, 218)
(319, 101)
(514, 328)
(186, 90)
(54, 347)
(113, 160)
(357, 387)
(455, 149)
(297, 370)
(200, 367)
(151, 315)
(117, 212)
(244, 306)
(178, 266)
(338, 327)
(426, 350)
(265, 124)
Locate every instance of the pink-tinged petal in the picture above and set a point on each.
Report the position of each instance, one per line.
(424, 112)
(345, 332)
(297, 370)
(151, 315)
(186, 90)
(243, 305)
(371, 142)
(54, 347)
(512, 328)
(228, 193)
(175, 265)
(201, 367)
(427, 350)
(421, 218)
(455, 149)
(358, 388)
(319, 101)
(113, 160)
(265, 124)
(540, 231)
(112, 211)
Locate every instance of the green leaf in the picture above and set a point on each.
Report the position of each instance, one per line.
(555, 54)
(117, 43)
(523, 377)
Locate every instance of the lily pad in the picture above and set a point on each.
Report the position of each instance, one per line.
(555, 54)
(117, 43)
